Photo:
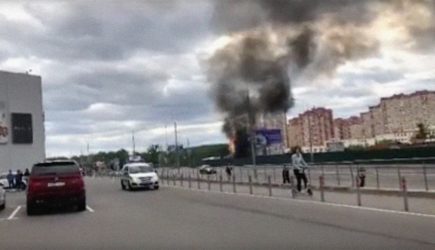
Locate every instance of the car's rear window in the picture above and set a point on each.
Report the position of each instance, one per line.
(55, 168)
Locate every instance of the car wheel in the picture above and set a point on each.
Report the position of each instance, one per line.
(81, 205)
(3, 206)
(156, 187)
(30, 208)
(122, 185)
(130, 188)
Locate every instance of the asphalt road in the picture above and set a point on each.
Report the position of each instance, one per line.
(172, 218)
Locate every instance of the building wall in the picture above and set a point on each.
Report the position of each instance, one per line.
(22, 93)
(312, 128)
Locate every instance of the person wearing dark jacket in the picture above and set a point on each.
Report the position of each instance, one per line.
(10, 178)
(19, 180)
(285, 175)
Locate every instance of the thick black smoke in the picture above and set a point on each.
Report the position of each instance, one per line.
(272, 42)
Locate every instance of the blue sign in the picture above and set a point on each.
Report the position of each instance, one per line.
(268, 136)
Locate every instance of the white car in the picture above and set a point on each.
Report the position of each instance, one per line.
(4, 180)
(2, 197)
(139, 175)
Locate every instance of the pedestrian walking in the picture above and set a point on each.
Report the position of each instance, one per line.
(285, 174)
(10, 177)
(299, 167)
(228, 170)
(362, 177)
(26, 173)
(19, 180)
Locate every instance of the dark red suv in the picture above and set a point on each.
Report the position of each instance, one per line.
(55, 183)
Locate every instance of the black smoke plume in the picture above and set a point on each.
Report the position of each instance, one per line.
(272, 42)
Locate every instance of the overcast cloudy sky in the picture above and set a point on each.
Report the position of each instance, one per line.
(109, 68)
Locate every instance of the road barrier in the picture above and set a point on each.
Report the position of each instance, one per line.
(358, 191)
(234, 184)
(250, 185)
(322, 189)
(355, 177)
(405, 194)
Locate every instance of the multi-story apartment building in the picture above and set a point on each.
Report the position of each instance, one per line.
(342, 127)
(311, 130)
(395, 118)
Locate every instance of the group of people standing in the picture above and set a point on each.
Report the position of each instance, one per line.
(15, 181)
(299, 168)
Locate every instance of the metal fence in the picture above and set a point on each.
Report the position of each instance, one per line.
(380, 176)
(402, 181)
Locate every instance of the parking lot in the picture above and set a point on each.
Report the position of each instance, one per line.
(174, 218)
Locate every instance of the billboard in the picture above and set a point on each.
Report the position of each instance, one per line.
(22, 128)
(268, 137)
(4, 130)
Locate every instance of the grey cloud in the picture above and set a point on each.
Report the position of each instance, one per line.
(82, 30)
(375, 74)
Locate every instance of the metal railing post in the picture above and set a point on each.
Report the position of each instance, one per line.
(198, 181)
(220, 183)
(182, 180)
(426, 184)
(274, 174)
(351, 175)
(234, 184)
(292, 186)
(337, 172)
(241, 174)
(208, 183)
(250, 185)
(321, 185)
(174, 180)
(269, 182)
(190, 181)
(358, 191)
(405, 194)
(399, 175)
(378, 185)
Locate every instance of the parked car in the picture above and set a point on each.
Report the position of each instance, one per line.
(55, 183)
(2, 197)
(206, 169)
(3, 180)
(139, 175)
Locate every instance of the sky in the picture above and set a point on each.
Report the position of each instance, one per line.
(109, 68)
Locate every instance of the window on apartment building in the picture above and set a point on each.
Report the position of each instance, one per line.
(22, 128)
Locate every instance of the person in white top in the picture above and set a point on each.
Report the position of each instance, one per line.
(299, 167)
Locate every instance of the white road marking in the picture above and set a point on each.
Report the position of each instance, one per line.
(90, 209)
(11, 217)
(314, 202)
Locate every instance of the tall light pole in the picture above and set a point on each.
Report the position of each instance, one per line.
(134, 144)
(310, 137)
(251, 132)
(176, 145)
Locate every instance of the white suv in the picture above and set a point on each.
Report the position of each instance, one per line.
(138, 175)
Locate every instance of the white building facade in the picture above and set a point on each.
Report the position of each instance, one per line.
(22, 133)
